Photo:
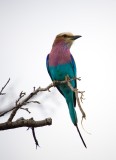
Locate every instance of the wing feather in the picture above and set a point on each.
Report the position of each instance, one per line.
(74, 70)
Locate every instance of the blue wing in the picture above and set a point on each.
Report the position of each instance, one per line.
(74, 70)
(47, 65)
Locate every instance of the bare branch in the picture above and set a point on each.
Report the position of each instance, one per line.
(21, 122)
(31, 95)
(14, 112)
(7, 111)
(4, 87)
(26, 99)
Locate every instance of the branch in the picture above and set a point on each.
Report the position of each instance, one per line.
(31, 95)
(25, 101)
(6, 111)
(21, 122)
(31, 123)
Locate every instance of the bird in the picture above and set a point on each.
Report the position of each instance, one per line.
(60, 63)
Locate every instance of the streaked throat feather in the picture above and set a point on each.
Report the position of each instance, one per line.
(59, 55)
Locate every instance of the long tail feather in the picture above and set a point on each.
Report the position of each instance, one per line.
(81, 136)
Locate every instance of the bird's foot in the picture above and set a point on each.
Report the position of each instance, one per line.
(67, 78)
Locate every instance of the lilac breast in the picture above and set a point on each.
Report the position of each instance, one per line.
(57, 58)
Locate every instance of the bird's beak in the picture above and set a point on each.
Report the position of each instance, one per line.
(75, 37)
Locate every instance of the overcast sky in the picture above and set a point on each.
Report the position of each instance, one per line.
(27, 31)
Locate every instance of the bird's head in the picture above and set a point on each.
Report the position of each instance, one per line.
(65, 38)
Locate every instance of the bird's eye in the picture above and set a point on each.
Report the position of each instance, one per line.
(64, 35)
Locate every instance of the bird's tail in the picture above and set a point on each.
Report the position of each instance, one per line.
(80, 136)
(74, 118)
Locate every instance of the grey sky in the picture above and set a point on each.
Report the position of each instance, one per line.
(27, 31)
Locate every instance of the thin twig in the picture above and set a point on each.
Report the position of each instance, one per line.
(4, 87)
(32, 102)
(26, 109)
(34, 136)
(22, 94)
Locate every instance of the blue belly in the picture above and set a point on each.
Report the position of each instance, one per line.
(60, 71)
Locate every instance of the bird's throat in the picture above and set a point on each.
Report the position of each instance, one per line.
(60, 54)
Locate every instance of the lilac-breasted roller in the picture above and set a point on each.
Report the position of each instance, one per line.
(60, 63)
